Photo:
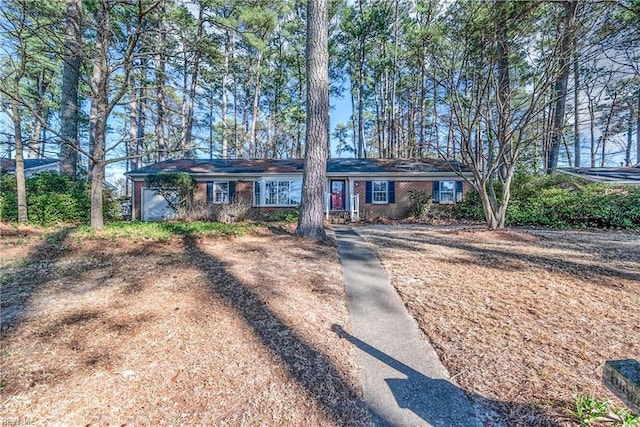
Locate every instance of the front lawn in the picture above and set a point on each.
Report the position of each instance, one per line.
(523, 319)
(173, 324)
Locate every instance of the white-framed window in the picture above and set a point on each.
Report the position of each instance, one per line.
(277, 192)
(447, 191)
(380, 191)
(218, 192)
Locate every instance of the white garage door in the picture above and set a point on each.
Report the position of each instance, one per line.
(154, 207)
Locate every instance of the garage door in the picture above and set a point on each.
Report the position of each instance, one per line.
(154, 207)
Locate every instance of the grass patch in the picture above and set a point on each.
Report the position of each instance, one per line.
(591, 411)
(164, 231)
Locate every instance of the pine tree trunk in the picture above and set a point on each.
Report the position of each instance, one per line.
(560, 88)
(638, 131)
(160, 77)
(20, 178)
(194, 84)
(310, 223)
(69, 116)
(98, 117)
(133, 124)
(627, 158)
(224, 152)
(141, 114)
(360, 99)
(576, 104)
(255, 110)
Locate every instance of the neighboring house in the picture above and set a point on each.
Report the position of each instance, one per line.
(35, 166)
(629, 175)
(355, 188)
(31, 166)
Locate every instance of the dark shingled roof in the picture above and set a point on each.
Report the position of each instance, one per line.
(622, 175)
(10, 164)
(393, 166)
(334, 166)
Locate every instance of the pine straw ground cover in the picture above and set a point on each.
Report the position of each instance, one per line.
(183, 330)
(523, 319)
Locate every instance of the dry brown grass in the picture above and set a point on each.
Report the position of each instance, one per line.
(208, 331)
(524, 320)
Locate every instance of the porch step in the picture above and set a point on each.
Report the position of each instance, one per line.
(340, 217)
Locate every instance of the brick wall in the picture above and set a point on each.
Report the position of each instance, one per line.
(200, 195)
(398, 210)
(403, 204)
(244, 190)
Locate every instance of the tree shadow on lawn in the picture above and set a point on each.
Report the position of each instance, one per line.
(509, 259)
(307, 365)
(16, 288)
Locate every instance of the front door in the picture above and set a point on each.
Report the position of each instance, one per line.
(337, 194)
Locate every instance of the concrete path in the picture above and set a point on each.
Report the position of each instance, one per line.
(404, 382)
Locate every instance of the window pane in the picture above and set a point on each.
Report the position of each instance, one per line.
(379, 197)
(447, 191)
(271, 192)
(380, 186)
(295, 192)
(447, 185)
(379, 191)
(283, 192)
(220, 192)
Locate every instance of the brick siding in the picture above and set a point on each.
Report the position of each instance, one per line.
(398, 210)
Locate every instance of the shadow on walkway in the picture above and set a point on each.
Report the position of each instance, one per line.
(409, 394)
(418, 393)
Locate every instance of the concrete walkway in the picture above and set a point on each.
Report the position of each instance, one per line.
(404, 382)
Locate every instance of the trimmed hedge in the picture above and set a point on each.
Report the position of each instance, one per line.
(564, 201)
(52, 198)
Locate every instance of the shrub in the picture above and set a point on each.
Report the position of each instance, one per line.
(236, 210)
(420, 203)
(564, 201)
(470, 207)
(52, 198)
(286, 215)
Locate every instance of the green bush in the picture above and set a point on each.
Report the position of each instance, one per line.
(52, 198)
(284, 215)
(470, 207)
(564, 201)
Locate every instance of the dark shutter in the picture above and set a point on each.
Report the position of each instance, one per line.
(209, 192)
(368, 192)
(391, 192)
(436, 191)
(232, 190)
(458, 191)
